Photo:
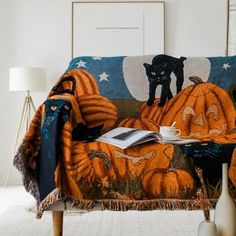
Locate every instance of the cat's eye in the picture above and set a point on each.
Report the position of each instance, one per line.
(67, 107)
(163, 72)
(53, 108)
(153, 72)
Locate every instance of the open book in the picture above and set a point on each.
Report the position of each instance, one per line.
(123, 137)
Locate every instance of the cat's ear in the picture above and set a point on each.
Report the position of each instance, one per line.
(182, 58)
(147, 66)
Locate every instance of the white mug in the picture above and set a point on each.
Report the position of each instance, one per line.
(168, 132)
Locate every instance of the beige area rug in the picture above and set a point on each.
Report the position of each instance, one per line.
(20, 222)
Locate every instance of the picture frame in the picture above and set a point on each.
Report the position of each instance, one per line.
(231, 32)
(118, 28)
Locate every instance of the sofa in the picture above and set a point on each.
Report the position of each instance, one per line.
(64, 167)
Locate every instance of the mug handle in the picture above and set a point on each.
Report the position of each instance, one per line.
(178, 132)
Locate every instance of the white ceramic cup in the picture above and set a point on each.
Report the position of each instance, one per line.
(168, 132)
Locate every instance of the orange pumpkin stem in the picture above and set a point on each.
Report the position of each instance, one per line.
(196, 80)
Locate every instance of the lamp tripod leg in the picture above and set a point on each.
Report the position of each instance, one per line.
(23, 115)
(32, 103)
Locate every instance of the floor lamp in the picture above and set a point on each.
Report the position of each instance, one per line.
(25, 79)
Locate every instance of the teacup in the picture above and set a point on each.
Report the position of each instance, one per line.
(169, 132)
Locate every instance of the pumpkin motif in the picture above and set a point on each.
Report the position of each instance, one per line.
(98, 110)
(142, 123)
(168, 184)
(151, 169)
(132, 161)
(153, 112)
(88, 162)
(167, 178)
(32, 139)
(232, 168)
(85, 83)
(200, 110)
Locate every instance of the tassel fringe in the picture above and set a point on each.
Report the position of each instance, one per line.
(121, 205)
(29, 181)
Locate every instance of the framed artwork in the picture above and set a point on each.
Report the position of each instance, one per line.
(117, 28)
(231, 46)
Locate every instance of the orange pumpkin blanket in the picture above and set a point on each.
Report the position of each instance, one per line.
(57, 163)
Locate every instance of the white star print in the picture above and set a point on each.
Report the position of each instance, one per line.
(97, 58)
(226, 66)
(103, 77)
(81, 64)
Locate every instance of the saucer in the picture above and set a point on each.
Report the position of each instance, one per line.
(171, 138)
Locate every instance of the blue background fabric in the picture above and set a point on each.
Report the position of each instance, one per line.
(112, 66)
(222, 72)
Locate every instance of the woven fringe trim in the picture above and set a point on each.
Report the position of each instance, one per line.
(29, 182)
(122, 205)
(51, 198)
(153, 204)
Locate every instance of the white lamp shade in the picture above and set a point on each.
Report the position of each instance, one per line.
(27, 78)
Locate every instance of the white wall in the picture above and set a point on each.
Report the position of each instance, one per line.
(196, 27)
(32, 33)
(232, 28)
(38, 33)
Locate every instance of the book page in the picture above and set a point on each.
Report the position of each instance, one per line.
(125, 137)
